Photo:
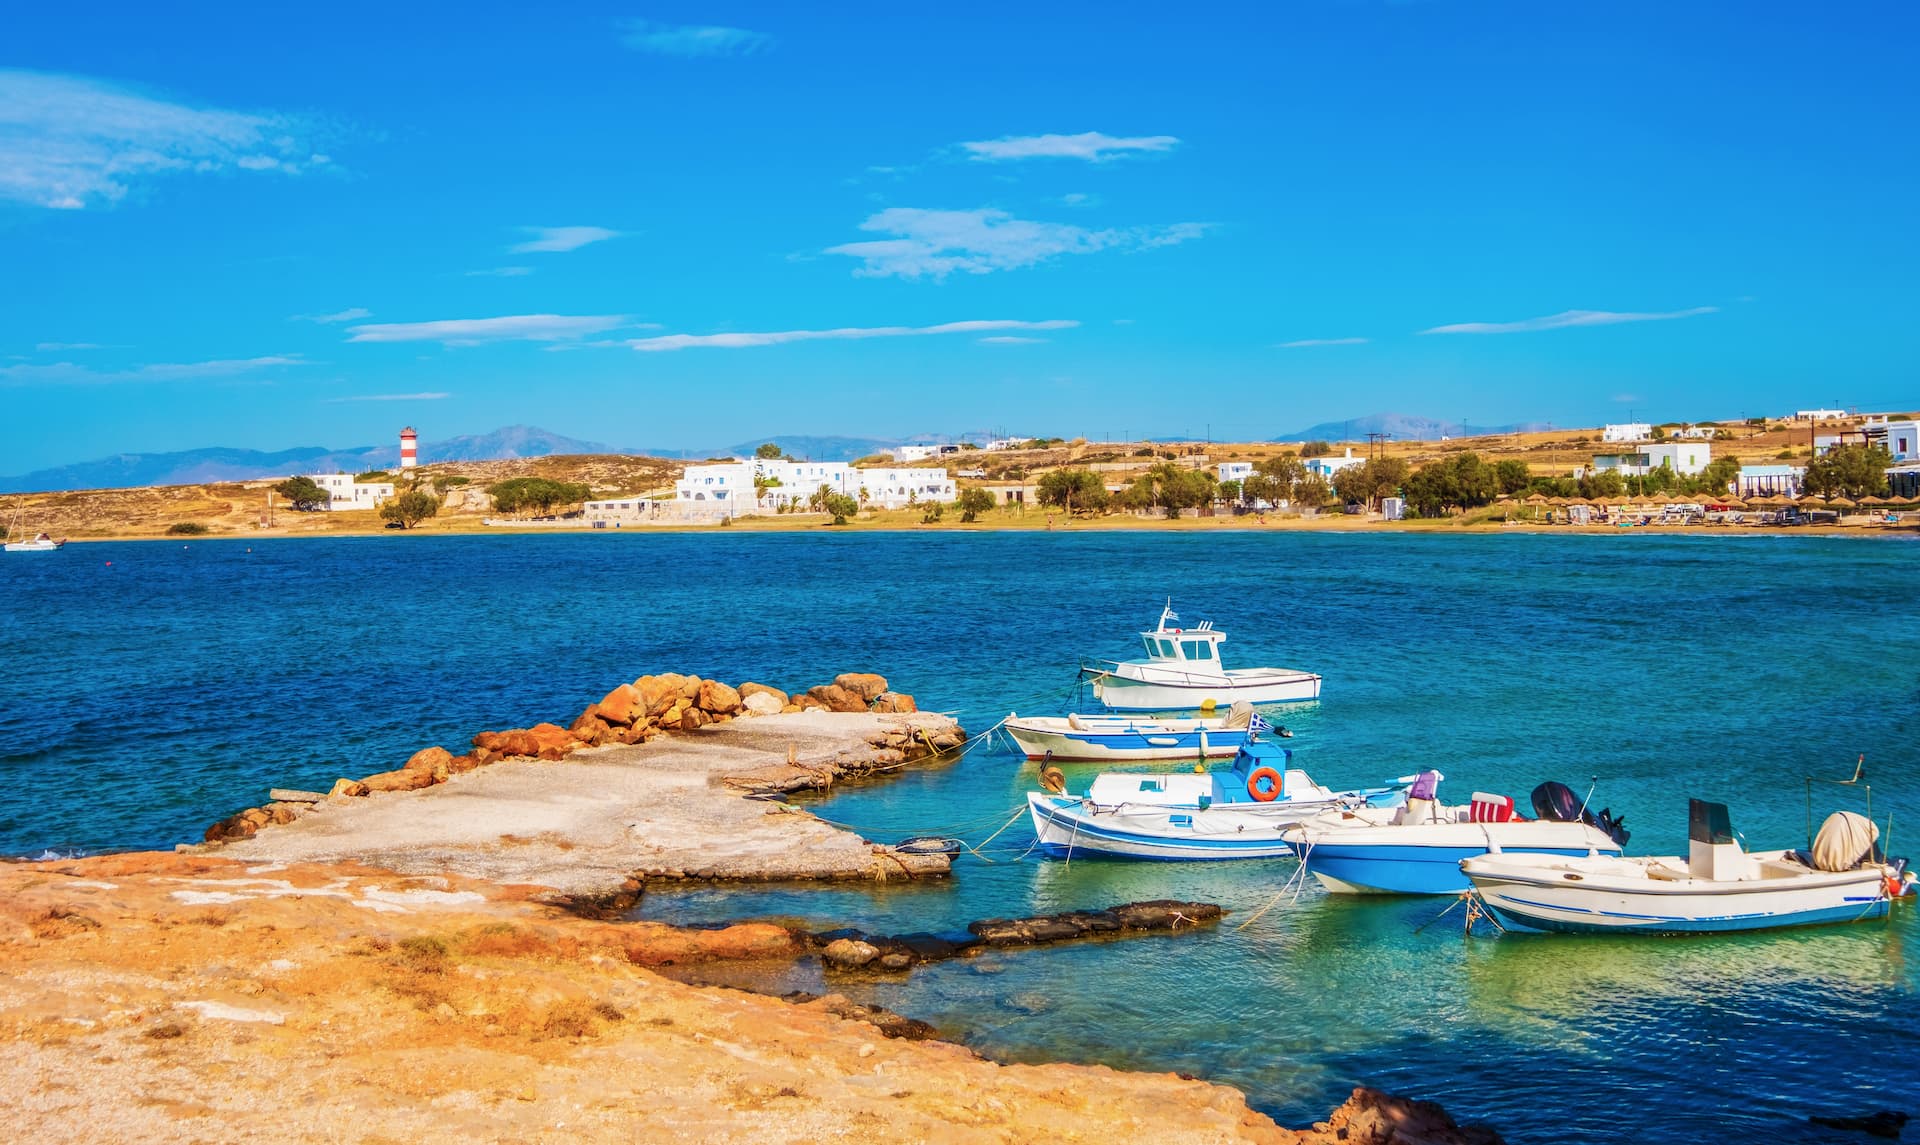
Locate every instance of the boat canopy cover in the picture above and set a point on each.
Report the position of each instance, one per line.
(1845, 841)
(1708, 823)
(1240, 715)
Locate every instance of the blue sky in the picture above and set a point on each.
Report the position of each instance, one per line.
(689, 225)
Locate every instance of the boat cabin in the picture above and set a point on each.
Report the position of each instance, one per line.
(1204, 789)
(1198, 646)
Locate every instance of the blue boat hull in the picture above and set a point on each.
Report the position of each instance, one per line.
(1399, 870)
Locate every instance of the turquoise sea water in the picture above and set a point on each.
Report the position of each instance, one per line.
(143, 698)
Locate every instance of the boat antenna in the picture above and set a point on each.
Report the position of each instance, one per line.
(1591, 784)
(1859, 773)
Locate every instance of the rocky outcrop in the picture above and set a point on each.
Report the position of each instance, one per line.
(857, 950)
(1370, 1117)
(632, 713)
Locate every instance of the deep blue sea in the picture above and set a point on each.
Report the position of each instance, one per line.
(147, 689)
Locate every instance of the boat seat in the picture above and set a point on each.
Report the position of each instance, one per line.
(1487, 808)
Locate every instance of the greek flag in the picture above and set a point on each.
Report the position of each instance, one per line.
(1258, 724)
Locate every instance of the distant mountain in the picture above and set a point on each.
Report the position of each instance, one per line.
(199, 466)
(819, 448)
(1402, 427)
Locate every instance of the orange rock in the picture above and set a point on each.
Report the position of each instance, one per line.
(432, 760)
(462, 763)
(349, 788)
(694, 720)
(867, 684)
(717, 698)
(672, 716)
(895, 702)
(618, 707)
(402, 780)
(657, 693)
(690, 688)
(750, 689)
(551, 741)
(836, 698)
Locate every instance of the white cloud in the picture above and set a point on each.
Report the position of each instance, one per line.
(472, 331)
(1568, 318)
(1305, 342)
(349, 315)
(501, 272)
(46, 347)
(779, 337)
(1090, 145)
(70, 142)
(934, 243)
(1009, 340)
(561, 238)
(68, 373)
(691, 39)
(426, 397)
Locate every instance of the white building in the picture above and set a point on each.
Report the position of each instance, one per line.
(1234, 470)
(763, 486)
(343, 492)
(1819, 415)
(1900, 438)
(1627, 431)
(1328, 466)
(1001, 444)
(1685, 458)
(1768, 481)
(910, 453)
(1695, 432)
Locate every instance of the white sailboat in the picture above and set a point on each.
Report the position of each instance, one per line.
(42, 543)
(1183, 670)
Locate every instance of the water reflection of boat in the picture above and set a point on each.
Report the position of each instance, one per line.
(1183, 670)
(1417, 848)
(1239, 813)
(1718, 887)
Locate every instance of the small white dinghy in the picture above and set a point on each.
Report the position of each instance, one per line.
(1183, 671)
(1718, 887)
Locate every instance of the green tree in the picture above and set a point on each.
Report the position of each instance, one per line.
(1230, 491)
(768, 452)
(1463, 481)
(1312, 490)
(841, 506)
(1367, 482)
(410, 508)
(1176, 488)
(1075, 490)
(1718, 476)
(1316, 449)
(537, 495)
(1511, 475)
(932, 513)
(974, 502)
(303, 494)
(1853, 471)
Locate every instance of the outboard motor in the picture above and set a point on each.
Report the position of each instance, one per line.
(1556, 801)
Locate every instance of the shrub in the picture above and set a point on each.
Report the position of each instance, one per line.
(303, 493)
(932, 514)
(409, 508)
(449, 481)
(974, 502)
(371, 476)
(186, 529)
(1316, 449)
(423, 953)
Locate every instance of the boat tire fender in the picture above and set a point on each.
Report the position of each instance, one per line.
(1053, 779)
(1263, 783)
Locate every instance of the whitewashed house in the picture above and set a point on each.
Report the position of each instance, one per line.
(1328, 466)
(1900, 438)
(344, 493)
(1685, 458)
(1234, 470)
(1627, 431)
(906, 454)
(764, 486)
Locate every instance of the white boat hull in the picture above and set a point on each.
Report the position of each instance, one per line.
(33, 546)
(1617, 896)
(1424, 858)
(1161, 690)
(1101, 739)
(1068, 827)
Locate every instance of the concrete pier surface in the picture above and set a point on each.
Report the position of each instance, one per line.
(590, 824)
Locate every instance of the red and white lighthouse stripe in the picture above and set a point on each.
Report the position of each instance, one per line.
(409, 448)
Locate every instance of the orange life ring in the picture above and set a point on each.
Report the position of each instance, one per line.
(1262, 794)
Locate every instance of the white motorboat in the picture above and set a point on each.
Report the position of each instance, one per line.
(1416, 848)
(1083, 738)
(1718, 887)
(1183, 670)
(1238, 813)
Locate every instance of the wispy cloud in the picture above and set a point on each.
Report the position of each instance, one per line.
(350, 315)
(73, 141)
(779, 337)
(691, 39)
(473, 331)
(1306, 342)
(934, 243)
(1089, 145)
(1009, 340)
(55, 347)
(561, 238)
(69, 373)
(1569, 318)
(426, 397)
(501, 272)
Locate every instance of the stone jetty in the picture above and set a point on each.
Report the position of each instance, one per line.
(647, 783)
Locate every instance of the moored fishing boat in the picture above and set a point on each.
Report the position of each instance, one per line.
(1717, 887)
(1417, 848)
(1183, 670)
(1083, 738)
(1238, 813)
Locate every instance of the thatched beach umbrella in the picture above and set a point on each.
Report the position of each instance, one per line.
(1730, 501)
(1842, 503)
(1537, 499)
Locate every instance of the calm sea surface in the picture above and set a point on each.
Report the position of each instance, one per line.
(147, 689)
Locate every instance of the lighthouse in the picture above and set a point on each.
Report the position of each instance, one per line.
(409, 448)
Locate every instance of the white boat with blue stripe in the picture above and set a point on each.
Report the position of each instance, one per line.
(1103, 739)
(1416, 849)
(1236, 813)
(1718, 887)
(1183, 671)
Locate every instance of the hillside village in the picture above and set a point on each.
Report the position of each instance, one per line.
(1671, 471)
